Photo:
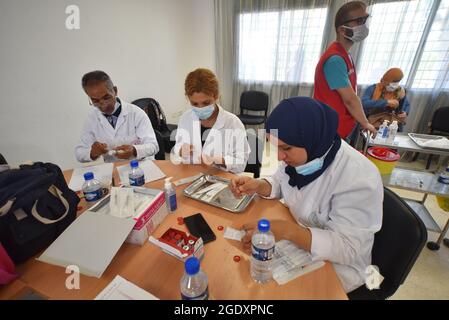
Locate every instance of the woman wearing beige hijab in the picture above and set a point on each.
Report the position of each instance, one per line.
(387, 99)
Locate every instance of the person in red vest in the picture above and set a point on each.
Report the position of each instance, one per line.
(335, 74)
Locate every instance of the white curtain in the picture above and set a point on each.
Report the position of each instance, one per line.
(274, 46)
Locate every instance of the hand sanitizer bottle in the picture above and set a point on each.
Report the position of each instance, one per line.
(170, 195)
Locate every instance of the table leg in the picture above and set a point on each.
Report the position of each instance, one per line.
(436, 245)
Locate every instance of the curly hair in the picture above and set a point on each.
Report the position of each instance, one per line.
(202, 80)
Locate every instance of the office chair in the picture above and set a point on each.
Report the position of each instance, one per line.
(255, 157)
(253, 101)
(2, 160)
(438, 126)
(158, 120)
(160, 155)
(396, 247)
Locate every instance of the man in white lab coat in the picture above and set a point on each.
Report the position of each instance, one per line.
(114, 129)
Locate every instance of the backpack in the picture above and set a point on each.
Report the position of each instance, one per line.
(36, 206)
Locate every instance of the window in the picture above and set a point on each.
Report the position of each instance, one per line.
(435, 59)
(281, 46)
(396, 29)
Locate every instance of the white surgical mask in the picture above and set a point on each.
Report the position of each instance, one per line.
(359, 33)
(392, 87)
(205, 112)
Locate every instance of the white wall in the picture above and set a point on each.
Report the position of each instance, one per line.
(146, 46)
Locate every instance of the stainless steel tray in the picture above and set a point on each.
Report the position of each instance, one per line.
(420, 140)
(223, 199)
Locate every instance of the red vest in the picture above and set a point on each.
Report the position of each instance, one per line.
(331, 97)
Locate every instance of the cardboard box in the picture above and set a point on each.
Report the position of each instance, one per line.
(179, 244)
(149, 218)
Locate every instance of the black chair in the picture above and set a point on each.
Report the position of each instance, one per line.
(158, 120)
(396, 247)
(255, 157)
(2, 160)
(439, 126)
(253, 101)
(160, 155)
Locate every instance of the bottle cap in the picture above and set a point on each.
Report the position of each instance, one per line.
(134, 164)
(88, 176)
(264, 225)
(192, 266)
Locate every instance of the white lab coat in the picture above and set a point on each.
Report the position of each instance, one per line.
(227, 139)
(342, 209)
(133, 128)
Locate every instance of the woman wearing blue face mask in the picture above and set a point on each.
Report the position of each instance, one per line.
(332, 191)
(208, 134)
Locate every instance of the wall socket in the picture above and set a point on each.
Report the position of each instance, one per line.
(177, 114)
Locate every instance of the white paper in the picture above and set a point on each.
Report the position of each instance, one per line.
(233, 234)
(102, 173)
(122, 289)
(90, 243)
(150, 170)
(442, 143)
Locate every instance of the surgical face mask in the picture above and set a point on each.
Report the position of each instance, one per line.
(392, 87)
(312, 166)
(205, 112)
(359, 33)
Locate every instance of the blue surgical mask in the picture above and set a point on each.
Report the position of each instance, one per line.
(205, 112)
(313, 166)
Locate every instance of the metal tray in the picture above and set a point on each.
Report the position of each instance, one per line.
(221, 198)
(419, 139)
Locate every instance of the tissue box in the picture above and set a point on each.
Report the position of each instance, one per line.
(179, 244)
(149, 218)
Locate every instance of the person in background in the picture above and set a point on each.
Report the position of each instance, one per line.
(335, 74)
(387, 97)
(333, 192)
(207, 133)
(114, 129)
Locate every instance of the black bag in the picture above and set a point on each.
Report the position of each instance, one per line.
(36, 206)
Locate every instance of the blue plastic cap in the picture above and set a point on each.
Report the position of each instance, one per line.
(134, 164)
(264, 225)
(192, 266)
(88, 176)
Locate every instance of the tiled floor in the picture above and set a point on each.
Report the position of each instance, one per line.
(429, 278)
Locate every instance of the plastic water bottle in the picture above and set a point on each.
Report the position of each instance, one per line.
(383, 131)
(136, 176)
(262, 252)
(170, 195)
(444, 176)
(194, 283)
(92, 188)
(392, 131)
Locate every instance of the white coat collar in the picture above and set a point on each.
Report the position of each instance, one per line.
(121, 119)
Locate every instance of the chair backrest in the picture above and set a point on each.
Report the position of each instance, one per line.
(254, 101)
(440, 120)
(398, 243)
(255, 157)
(154, 111)
(160, 141)
(2, 159)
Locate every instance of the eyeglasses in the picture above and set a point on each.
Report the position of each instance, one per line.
(359, 20)
(101, 101)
